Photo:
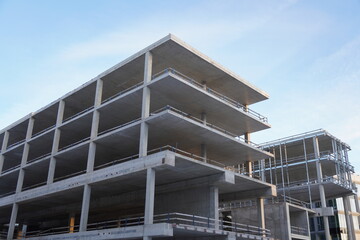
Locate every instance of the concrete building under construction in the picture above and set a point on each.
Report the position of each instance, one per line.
(145, 150)
(310, 171)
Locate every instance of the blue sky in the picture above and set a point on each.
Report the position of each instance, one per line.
(305, 54)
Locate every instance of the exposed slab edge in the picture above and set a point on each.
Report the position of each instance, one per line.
(154, 160)
(153, 230)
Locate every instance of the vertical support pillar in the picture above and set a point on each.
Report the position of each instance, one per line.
(3, 149)
(71, 222)
(24, 230)
(287, 221)
(12, 223)
(308, 224)
(94, 126)
(145, 110)
(357, 206)
(150, 196)
(214, 205)
(307, 172)
(321, 186)
(204, 152)
(25, 155)
(249, 167)
(204, 118)
(261, 214)
(203, 146)
(85, 208)
(348, 218)
(56, 141)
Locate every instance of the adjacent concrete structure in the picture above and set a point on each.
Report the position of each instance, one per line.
(143, 151)
(309, 170)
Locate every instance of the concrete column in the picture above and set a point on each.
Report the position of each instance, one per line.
(145, 110)
(22, 233)
(248, 166)
(56, 141)
(203, 146)
(287, 227)
(24, 157)
(94, 127)
(24, 230)
(357, 206)
(71, 222)
(91, 157)
(3, 149)
(150, 196)
(348, 218)
(321, 186)
(204, 118)
(261, 213)
(214, 205)
(85, 208)
(12, 223)
(308, 223)
(204, 152)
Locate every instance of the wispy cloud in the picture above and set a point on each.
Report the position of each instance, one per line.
(195, 25)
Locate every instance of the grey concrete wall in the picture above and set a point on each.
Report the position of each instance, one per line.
(196, 201)
(275, 219)
(298, 219)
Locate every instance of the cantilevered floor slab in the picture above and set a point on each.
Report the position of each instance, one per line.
(171, 128)
(301, 192)
(174, 90)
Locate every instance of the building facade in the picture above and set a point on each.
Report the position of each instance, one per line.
(145, 150)
(310, 170)
(338, 223)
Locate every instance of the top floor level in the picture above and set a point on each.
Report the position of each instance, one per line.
(178, 73)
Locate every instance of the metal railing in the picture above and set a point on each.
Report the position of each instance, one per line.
(324, 155)
(119, 126)
(34, 186)
(122, 92)
(284, 198)
(301, 183)
(10, 169)
(177, 219)
(73, 144)
(213, 92)
(78, 114)
(42, 131)
(189, 116)
(7, 194)
(39, 157)
(299, 231)
(252, 203)
(15, 144)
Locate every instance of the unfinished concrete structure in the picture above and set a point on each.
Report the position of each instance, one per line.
(142, 151)
(308, 169)
(346, 210)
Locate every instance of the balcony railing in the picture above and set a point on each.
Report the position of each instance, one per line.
(303, 183)
(189, 116)
(252, 203)
(299, 231)
(213, 92)
(176, 219)
(324, 155)
(122, 92)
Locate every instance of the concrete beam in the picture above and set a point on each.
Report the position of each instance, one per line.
(250, 194)
(165, 158)
(85, 208)
(261, 213)
(150, 196)
(3, 149)
(56, 141)
(12, 223)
